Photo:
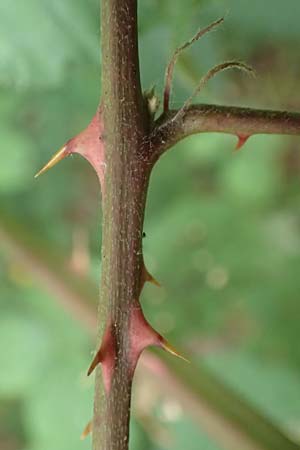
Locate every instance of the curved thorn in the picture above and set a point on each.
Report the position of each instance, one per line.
(87, 430)
(241, 142)
(58, 156)
(170, 349)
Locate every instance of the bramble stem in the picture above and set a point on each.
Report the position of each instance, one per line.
(132, 144)
(238, 121)
(126, 181)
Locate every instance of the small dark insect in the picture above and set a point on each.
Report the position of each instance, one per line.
(144, 234)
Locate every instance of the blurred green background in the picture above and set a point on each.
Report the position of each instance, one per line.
(222, 229)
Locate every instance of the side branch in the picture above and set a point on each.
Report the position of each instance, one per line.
(243, 122)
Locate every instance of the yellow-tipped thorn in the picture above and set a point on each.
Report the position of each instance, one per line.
(170, 349)
(87, 430)
(150, 278)
(94, 364)
(61, 154)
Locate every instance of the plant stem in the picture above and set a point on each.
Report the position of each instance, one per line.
(242, 122)
(126, 181)
(129, 155)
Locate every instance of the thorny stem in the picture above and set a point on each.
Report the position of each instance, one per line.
(122, 143)
(130, 152)
(172, 127)
(126, 181)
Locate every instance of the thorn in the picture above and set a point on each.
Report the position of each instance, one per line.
(146, 276)
(106, 355)
(97, 359)
(170, 349)
(87, 430)
(241, 141)
(58, 156)
(151, 279)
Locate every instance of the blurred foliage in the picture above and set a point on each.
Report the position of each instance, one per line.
(222, 229)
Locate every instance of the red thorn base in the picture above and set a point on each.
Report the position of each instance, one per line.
(105, 356)
(89, 144)
(241, 141)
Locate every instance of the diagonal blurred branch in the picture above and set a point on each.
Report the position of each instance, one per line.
(75, 294)
(230, 420)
